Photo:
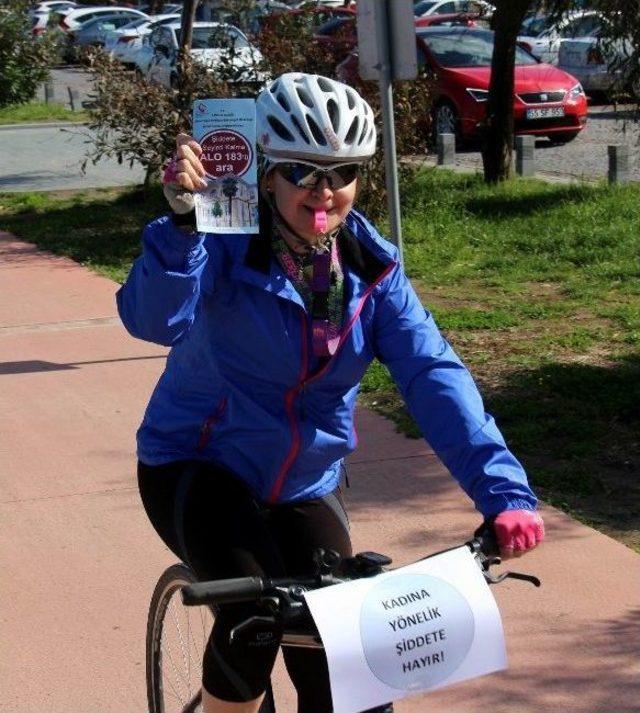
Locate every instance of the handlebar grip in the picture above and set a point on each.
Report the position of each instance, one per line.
(223, 591)
(485, 541)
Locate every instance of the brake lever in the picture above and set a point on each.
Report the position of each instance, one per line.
(497, 578)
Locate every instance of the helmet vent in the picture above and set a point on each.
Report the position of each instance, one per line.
(325, 85)
(274, 87)
(280, 129)
(334, 114)
(316, 131)
(363, 133)
(351, 100)
(301, 131)
(283, 101)
(305, 97)
(351, 134)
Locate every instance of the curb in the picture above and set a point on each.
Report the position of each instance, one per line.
(43, 125)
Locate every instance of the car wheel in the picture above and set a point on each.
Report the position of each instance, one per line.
(445, 120)
(562, 137)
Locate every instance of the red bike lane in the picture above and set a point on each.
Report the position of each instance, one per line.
(80, 559)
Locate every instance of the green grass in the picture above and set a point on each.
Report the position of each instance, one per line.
(38, 111)
(536, 285)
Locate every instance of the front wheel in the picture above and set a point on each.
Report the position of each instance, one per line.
(176, 637)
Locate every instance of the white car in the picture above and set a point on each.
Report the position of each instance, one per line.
(452, 7)
(547, 44)
(74, 19)
(41, 13)
(206, 48)
(124, 43)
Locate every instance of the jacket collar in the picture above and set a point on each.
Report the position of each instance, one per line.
(358, 249)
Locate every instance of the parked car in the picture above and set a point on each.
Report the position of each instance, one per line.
(601, 70)
(340, 35)
(547, 101)
(41, 13)
(546, 45)
(94, 32)
(206, 48)
(452, 7)
(464, 19)
(167, 9)
(312, 17)
(124, 43)
(74, 19)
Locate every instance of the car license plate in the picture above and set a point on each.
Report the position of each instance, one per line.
(548, 113)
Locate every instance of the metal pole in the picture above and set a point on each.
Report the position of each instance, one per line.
(388, 130)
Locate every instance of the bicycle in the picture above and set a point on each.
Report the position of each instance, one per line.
(281, 600)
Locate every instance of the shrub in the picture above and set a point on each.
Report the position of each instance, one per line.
(24, 61)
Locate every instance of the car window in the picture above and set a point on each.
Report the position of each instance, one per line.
(216, 37)
(422, 8)
(534, 26)
(580, 27)
(138, 22)
(467, 49)
(446, 8)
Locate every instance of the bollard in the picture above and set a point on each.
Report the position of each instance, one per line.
(446, 149)
(618, 163)
(74, 98)
(48, 92)
(525, 155)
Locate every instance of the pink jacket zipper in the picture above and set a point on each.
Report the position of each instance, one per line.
(293, 392)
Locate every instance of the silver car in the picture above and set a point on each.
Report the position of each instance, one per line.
(600, 71)
(93, 33)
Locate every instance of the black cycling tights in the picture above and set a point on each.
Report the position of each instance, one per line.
(211, 521)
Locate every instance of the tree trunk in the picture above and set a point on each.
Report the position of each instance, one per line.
(497, 149)
(186, 24)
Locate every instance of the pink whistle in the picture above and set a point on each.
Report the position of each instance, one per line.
(320, 221)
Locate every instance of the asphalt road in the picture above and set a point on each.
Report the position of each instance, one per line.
(44, 158)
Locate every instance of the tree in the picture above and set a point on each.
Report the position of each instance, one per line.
(24, 63)
(498, 133)
(497, 150)
(230, 190)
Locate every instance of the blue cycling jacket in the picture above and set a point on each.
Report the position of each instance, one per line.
(242, 388)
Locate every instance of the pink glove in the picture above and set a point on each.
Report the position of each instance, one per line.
(518, 531)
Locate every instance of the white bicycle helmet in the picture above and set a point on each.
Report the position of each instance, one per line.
(309, 117)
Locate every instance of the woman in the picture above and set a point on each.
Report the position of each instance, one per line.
(243, 440)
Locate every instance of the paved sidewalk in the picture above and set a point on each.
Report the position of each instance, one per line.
(80, 559)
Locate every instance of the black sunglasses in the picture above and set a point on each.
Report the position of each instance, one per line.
(306, 175)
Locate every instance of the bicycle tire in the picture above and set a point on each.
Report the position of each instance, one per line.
(160, 700)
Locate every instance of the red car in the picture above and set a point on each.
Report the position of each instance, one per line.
(339, 35)
(547, 101)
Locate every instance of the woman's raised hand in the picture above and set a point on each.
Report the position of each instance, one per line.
(185, 169)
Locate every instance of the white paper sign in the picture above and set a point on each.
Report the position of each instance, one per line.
(226, 130)
(417, 628)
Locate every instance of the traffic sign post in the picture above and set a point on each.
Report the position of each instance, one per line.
(384, 28)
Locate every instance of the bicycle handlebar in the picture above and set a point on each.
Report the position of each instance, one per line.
(331, 570)
(224, 591)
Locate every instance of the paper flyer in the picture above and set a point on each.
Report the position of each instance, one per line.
(226, 130)
(420, 627)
